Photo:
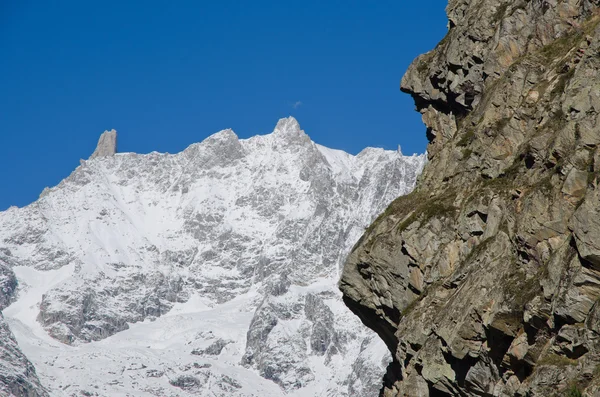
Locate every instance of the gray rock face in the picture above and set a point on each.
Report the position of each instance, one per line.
(8, 283)
(485, 280)
(285, 362)
(107, 145)
(95, 313)
(214, 349)
(586, 229)
(322, 334)
(226, 254)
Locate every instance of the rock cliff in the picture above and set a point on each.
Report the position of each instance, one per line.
(485, 280)
(107, 145)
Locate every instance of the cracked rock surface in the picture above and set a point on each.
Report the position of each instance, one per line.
(485, 280)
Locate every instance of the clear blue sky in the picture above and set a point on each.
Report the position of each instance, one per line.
(168, 74)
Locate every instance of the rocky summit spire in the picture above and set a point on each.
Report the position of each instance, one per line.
(107, 144)
(288, 131)
(287, 125)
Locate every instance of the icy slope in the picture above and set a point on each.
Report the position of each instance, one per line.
(208, 272)
(17, 375)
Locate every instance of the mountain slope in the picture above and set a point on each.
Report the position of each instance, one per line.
(207, 272)
(17, 375)
(485, 280)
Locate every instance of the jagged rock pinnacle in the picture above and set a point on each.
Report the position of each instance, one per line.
(288, 132)
(107, 144)
(287, 125)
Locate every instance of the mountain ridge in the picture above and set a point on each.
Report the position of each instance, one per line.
(212, 270)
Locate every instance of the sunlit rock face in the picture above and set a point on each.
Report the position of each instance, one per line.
(213, 270)
(484, 281)
(107, 145)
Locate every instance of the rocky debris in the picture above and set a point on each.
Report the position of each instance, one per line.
(197, 383)
(107, 145)
(485, 280)
(264, 223)
(189, 382)
(213, 350)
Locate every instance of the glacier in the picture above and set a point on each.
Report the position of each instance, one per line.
(209, 272)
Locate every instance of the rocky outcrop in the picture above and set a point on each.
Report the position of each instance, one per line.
(485, 280)
(107, 145)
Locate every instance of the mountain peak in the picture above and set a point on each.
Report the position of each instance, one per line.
(287, 126)
(107, 144)
(240, 239)
(288, 131)
(224, 135)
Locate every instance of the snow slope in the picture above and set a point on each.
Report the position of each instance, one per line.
(210, 272)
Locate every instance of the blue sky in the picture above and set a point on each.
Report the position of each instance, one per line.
(168, 74)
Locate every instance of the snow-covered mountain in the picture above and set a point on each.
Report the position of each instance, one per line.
(210, 272)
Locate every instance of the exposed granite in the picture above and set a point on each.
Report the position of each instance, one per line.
(107, 145)
(485, 280)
